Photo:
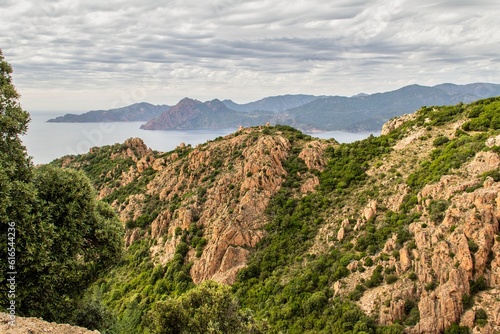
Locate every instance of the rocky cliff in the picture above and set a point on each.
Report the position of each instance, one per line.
(223, 186)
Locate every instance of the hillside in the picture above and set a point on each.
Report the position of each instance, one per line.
(134, 113)
(390, 234)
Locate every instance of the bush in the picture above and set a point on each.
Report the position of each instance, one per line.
(478, 285)
(440, 141)
(376, 277)
(456, 329)
(437, 210)
(208, 308)
(467, 301)
(481, 317)
(473, 247)
(389, 279)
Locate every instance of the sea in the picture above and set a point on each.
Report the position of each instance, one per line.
(48, 141)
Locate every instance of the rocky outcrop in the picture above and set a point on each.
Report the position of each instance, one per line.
(395, 123)
(460, 249)
(222, 187)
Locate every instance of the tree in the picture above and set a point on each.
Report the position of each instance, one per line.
(17, 193)
(208, 308)
(78, 238)
(63, 237)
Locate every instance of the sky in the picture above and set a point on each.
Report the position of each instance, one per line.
(72, 55)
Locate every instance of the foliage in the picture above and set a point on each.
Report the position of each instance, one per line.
(443, 159)
(437, 209)
(478, 285)
(467, 301)
(481, 317)
(440, 141)
(208, 308)
(484, 115)
(92, 314)
(77, 239)
(473, 247)
(456, 329)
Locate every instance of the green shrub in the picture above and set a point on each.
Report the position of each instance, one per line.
(478, 285)
(437, 210)
(467, 301)
(376, 277)
(473, 247)
(389, 279)
(440, 141)
(456, 329)
(481, 317)
(431, 286)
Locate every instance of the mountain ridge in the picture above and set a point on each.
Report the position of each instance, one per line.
(367, 112)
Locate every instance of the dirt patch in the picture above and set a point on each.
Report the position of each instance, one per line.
(38, 326)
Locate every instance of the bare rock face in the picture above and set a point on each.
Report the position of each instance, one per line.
(313, 155)
(395, 123)
(493, 141)
(370, 210)
(460, 249)
(233, 230)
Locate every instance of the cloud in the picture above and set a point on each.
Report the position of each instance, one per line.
(243, 49)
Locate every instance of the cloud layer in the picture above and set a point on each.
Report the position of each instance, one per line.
(79, 55)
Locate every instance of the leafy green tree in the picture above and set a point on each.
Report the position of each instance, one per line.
(17, 193)
(208, 308)
(78, 238)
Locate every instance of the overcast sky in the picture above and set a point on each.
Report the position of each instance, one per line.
(94, 54)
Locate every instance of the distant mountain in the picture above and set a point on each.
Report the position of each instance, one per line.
(470, 92)
(361, 112)
(193, 114)
(273, 103)
(370, 112)
(133, 113)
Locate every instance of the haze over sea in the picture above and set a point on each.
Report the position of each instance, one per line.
(48, 141)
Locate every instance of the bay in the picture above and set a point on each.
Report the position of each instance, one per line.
(48, 141)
